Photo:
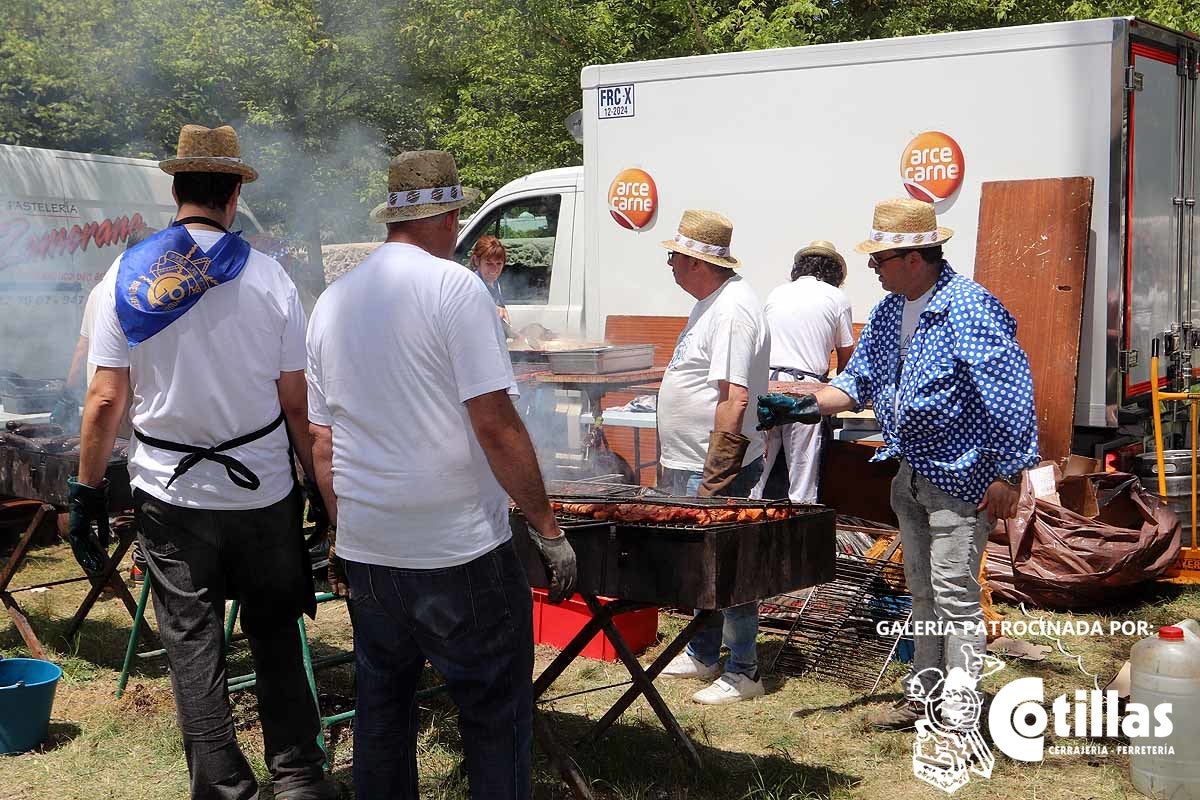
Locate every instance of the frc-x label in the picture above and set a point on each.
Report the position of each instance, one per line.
(613, 102)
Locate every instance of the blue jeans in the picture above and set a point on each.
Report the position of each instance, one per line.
(737, 627)
(474, 623)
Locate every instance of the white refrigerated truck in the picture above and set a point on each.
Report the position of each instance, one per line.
(797, 144)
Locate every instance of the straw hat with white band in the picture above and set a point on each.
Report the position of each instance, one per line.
(204, 149)
(704, 235)
(821, 248)
(422, 183)
(903, 223)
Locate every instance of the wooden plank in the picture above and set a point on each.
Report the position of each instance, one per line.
(1032, 254)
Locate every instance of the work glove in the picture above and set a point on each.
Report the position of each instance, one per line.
(65, 413)
(335, 573)
(88, 506)
(723, 463)
(317, 514)
(559, 558)
(781, 409)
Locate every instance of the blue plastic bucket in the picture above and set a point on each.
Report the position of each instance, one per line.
(26, 696)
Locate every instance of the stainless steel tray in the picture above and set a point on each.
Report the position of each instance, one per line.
(602, 360)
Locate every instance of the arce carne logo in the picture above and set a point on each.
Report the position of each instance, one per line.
(932, 166)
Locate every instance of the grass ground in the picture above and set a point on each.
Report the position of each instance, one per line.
(806, 739)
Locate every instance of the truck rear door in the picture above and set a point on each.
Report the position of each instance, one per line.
(1162, 283)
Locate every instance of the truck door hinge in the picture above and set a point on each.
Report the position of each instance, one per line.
(1133, 80)
(1127, 360)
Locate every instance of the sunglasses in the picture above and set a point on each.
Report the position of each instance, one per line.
(876, 263)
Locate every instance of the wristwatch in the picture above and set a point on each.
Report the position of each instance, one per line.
(1013, 480)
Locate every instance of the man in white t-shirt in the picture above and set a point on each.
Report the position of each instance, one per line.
(418, 447)
(207, 335)
(809, 317)
(708, 442)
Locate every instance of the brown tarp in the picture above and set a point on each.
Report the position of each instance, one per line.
(1052, 557)
(1032, 253)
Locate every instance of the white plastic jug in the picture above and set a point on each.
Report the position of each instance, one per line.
(1166, 669)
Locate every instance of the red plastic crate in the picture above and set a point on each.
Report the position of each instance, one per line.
(556, 625)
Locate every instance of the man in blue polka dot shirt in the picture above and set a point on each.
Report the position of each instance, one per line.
(952, 391)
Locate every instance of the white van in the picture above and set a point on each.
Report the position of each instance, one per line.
(64, 218)
(797, 144)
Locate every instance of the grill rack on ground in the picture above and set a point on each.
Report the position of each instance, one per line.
(835, 632)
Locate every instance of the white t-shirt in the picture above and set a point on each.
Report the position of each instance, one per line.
(210, 377)
(909, 318)
(95, 297)
(726, 339)
(395, 349)
(808, 318)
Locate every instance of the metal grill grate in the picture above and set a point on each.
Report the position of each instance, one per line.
(834, 633)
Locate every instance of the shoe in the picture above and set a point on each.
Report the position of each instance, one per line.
(901, 716)
(327, 789)
(684, 666)
(730, 688)
(136, 574)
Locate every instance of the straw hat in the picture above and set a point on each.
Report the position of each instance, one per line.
(204, 149)
(422, 183)
(820, 248)
(704, 235)
(901, 224)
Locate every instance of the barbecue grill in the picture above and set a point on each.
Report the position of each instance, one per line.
(706, 567)
(37, 469)
(703, 566)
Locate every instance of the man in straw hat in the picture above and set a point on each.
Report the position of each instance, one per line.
(208, 335)
(709, 446)
(418, 448)
(809, 317)
(952, 391)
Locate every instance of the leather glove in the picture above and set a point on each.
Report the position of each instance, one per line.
(781, 409)
(335, 573)
(723, 463)
(559, 558)
(88, 505)
(65, 413)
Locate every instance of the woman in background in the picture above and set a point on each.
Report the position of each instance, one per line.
(487, 260)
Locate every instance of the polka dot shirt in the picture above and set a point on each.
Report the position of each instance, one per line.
(959, 408)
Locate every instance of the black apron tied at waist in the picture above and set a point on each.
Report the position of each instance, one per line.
(798, 374)
(238, 472)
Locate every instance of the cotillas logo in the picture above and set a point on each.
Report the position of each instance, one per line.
(632, 199)
(932, 166)
(1018, 718)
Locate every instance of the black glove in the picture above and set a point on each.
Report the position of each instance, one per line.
(88, 505)
(781, 409)
(559, 558)
(318, 515)
(65, 413)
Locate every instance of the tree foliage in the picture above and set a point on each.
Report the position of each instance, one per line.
(323, 90)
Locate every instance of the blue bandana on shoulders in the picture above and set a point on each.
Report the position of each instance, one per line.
(160, 279)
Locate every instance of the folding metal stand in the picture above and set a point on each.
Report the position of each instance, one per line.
(1186, 568)
(125, 531)
(643, 685)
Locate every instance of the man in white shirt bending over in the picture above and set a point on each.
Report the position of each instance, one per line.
(809, 317)
(418, 448)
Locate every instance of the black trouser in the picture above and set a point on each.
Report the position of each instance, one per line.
(197, 560)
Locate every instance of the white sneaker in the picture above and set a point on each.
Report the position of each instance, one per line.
(684, 666)
(730, 688)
